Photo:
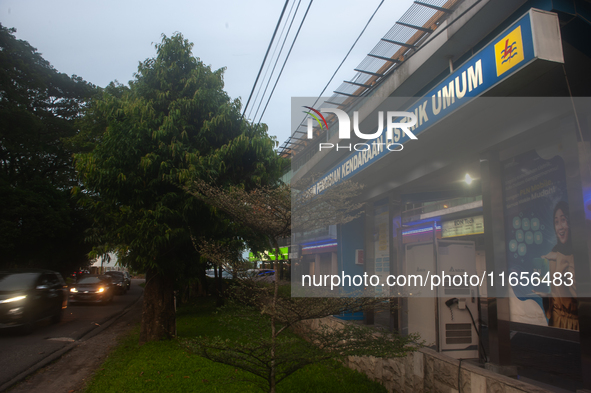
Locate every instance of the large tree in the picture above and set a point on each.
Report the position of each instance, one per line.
(174, 124)
(40, 223)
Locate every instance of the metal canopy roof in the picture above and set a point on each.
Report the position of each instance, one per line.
(399, 43)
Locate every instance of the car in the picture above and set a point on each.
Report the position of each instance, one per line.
(225, 274)
(27, 296)
(119, 281)
(265, 275)
(92, 288)
(78, 273)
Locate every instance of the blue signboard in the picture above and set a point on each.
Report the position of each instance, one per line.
(510, 51)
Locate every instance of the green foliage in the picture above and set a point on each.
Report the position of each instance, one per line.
(166, 366)
(259, 339)
(273, 354)
(40, 224)
(174, 124)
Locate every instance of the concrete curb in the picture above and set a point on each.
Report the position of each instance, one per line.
(93, 331)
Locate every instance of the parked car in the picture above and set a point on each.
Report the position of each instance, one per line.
(225, 274)
(265, 275)
(92, 288)
(119, 282)
(27, 296)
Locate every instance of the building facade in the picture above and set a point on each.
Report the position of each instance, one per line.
(496, 186)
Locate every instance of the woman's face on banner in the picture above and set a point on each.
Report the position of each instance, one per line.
(561, 226)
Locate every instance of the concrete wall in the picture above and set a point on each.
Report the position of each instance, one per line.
(426, 371)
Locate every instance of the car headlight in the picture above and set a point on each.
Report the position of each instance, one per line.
(101, 290)
(13, 299)
(15, 312)
(73, 290)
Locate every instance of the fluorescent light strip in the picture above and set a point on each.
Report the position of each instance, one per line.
(455, 209)
(318, 247)
(420, 230)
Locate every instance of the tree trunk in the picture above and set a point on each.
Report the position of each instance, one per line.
(158, 314)
(272, 382)
(220, 290)
(203, 290)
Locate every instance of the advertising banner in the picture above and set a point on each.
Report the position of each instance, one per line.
(538, 240)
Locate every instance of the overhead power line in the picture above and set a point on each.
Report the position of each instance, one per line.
(272, 68)
(277, 60)
(286, 58)
(265, 58)
(347, 55)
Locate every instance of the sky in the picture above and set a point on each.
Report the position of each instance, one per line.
(103, 41)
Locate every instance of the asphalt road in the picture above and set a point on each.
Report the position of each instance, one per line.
(19, 353)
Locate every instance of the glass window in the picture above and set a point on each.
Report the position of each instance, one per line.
(90, 280)
(17, 281)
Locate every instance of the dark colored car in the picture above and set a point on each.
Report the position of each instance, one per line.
(27, 296)
(118, 281)
(78, 273)
(92, 288)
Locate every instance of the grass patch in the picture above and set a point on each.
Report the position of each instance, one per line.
(167, 367)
